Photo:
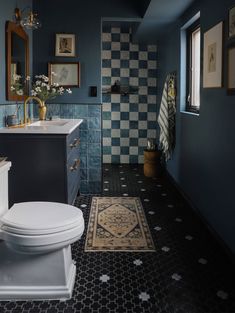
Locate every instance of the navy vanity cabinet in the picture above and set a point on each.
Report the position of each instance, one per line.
(45, 167)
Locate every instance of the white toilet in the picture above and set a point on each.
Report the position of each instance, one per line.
(35, 251)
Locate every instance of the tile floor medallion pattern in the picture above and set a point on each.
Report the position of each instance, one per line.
(118, 224)
(166, 281)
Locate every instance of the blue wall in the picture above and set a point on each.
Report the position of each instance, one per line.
(84, 20)
(203, 163)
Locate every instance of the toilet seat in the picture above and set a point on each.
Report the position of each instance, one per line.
(41, 226)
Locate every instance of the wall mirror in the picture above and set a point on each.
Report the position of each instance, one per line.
(17, 58)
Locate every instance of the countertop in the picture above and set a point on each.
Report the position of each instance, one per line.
(57, 126)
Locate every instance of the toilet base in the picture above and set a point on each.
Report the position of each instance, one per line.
(36, 276)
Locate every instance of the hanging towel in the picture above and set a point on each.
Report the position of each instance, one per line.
(166, 117)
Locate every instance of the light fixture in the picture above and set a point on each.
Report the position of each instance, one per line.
(29, 21)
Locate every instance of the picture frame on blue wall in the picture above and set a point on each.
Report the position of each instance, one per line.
(212, 57)
(231, 22)
(65, 45)
(64, 74)
(231, 70)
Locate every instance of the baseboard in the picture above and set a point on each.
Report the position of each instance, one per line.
(214, 233)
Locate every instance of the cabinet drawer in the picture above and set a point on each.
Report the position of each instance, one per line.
(73, 176)
(72, 142)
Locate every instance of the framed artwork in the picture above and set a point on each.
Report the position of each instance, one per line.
(231, 70)
(65, 45)
(231, 22)
(212, 57)
(65, 74)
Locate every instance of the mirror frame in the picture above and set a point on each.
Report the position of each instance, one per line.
(17, 29)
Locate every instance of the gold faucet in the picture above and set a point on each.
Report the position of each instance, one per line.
(40, 102)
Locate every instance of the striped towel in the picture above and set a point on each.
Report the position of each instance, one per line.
(166, 117)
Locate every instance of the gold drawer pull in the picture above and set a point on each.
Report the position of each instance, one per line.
(75, 166)
(75, 143)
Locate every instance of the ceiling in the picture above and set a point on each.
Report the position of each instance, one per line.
(159, 15)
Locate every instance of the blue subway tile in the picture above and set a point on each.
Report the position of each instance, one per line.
(83, 160)
(143, 81)
(124, 133)
(152, 73)
(152, 124)
(143, 116)
(134, 72)
(124, 98)
(124, 150)
(115, 124)
(115, 37)
(94, 187)
(133, 142)
(115, 107)
(94, 123)
(152, 107)
(94, 136)
(84, 187)
(107, 150)
(124, 81)
(94, 174)
(106, 133)
(142, 98)
(106, 80)
(134, 107)
(94, 110)
(94, 149)
(125, 46)
(133, 159)
(115, 72)
(152, 90)
(152, 55)
(125, 63)
(142, 133)
(143, 64)
(80, 110)
(94, 161)
(115, 141)
(115, 159)
(106, 98)
(143, 47)
(67, 110)
(83, 173)
(115, 55)
(84, 125)
(125, 116)
(134, 55)
(106, 115)
(84, 135)
(106, 63)
(83, 147)
(106, 45)
(133, 124)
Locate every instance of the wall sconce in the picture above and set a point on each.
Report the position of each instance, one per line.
(29, 21)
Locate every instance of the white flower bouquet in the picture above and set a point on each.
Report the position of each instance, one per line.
(41, 87)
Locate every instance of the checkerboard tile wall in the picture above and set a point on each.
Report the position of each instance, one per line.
(128, 120)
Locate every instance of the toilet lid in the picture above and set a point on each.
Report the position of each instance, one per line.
(41, 218)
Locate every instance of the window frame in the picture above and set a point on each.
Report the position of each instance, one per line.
(189, 31)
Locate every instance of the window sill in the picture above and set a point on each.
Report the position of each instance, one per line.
(190, 113)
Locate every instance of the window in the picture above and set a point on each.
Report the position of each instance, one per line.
(193, 68)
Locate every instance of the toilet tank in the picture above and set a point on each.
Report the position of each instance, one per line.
(4, 168)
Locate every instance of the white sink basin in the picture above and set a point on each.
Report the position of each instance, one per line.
(49, 123)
